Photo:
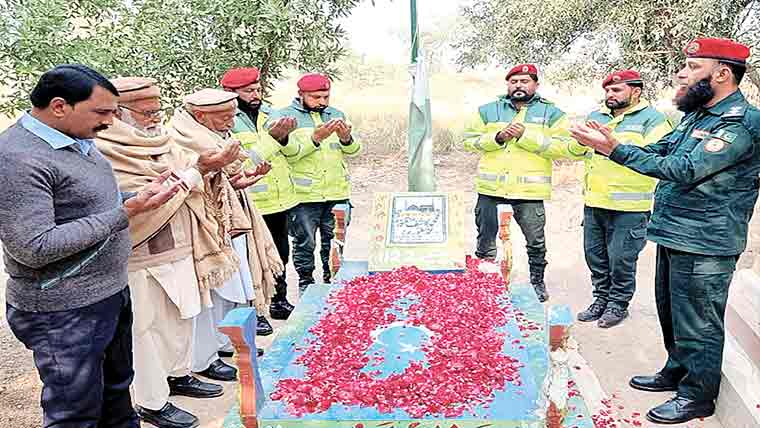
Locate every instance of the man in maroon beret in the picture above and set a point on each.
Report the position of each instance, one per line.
(320, 174)
(514, 136)
(275, 195)
(617, 200)
(708, 170)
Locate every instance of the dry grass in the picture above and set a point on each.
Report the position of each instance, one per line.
(379, 107)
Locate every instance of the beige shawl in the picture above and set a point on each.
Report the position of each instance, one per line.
(263, 258)
(136, 161)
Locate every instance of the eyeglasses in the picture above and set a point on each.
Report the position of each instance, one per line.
(150, 114)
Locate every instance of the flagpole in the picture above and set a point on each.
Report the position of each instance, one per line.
(414, 29)
(421, 174)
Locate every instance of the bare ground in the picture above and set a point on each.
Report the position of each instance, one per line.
(616, 354)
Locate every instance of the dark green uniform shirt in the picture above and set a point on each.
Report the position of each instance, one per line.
(708, 167)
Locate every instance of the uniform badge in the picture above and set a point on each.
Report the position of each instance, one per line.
(715, 145)
(615, 78)
(525, 69)
(699, 134)
(692, 48)
(727, 136)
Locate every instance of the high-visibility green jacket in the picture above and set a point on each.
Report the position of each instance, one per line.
(275, 192)
(612, 186)
(516, 169)
(319, 172)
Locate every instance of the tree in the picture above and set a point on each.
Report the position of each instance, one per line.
(595, 36)
(185, 44)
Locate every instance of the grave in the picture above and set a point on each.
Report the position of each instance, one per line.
(392, 340)
(417, 229)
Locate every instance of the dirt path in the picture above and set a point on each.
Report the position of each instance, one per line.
(616, 354)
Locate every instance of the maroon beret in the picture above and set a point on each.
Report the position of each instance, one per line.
(239, 77)
(722, 49)
(522, 69)
(314, 82)
(622, 76)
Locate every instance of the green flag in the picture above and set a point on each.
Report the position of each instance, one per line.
(421, 172)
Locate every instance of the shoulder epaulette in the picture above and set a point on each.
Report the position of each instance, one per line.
(736, 111)
(545, 101)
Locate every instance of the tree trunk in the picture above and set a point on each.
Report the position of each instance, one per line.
(754, 77)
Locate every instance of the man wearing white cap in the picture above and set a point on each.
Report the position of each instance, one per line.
(205, 124)
(163, 274)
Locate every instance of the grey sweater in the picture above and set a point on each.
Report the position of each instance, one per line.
(62, 225)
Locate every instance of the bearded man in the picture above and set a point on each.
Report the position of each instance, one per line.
(174, 247)
(205, 124)
(275, 195)
(618, 200)
(708, 171)
(320, 174)
(514, 137)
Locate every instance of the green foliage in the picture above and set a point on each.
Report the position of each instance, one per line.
(592, 37)
(185, 44)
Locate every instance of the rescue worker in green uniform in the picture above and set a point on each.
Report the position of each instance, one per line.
(274, 195)
(708, 170)
(319, 171)
(617, 200)
(514, 137)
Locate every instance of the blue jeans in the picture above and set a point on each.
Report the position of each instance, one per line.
(612, 241)
(84, 359)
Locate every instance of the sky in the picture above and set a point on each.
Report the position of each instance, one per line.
(374, 30)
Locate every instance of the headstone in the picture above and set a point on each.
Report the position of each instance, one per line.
(425, 230)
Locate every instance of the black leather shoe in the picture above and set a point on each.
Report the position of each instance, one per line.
(593, 312)
(656, 383)
(283, 301)
(190, 386)
(219, 370)
(326, 277)
(541, 292)
(279, 311)
(263, 328)
(168, 417)
(225, 354)
(612, 316)
(678, 410)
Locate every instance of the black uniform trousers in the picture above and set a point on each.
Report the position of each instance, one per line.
(691, 291)
(531, 218)
(306, 219)
(612, 241)
(277, 223)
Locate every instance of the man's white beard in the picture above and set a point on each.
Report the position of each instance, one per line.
(154, 131)
(151, 132)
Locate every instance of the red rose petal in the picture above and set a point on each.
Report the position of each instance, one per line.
(335, 358)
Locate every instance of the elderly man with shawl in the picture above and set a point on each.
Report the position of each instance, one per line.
(175, 248)
(204, 124)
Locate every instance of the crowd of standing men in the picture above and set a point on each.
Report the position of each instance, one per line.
(122, 231)
(193, 215)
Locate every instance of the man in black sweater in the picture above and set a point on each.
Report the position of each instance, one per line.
(64, 229)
